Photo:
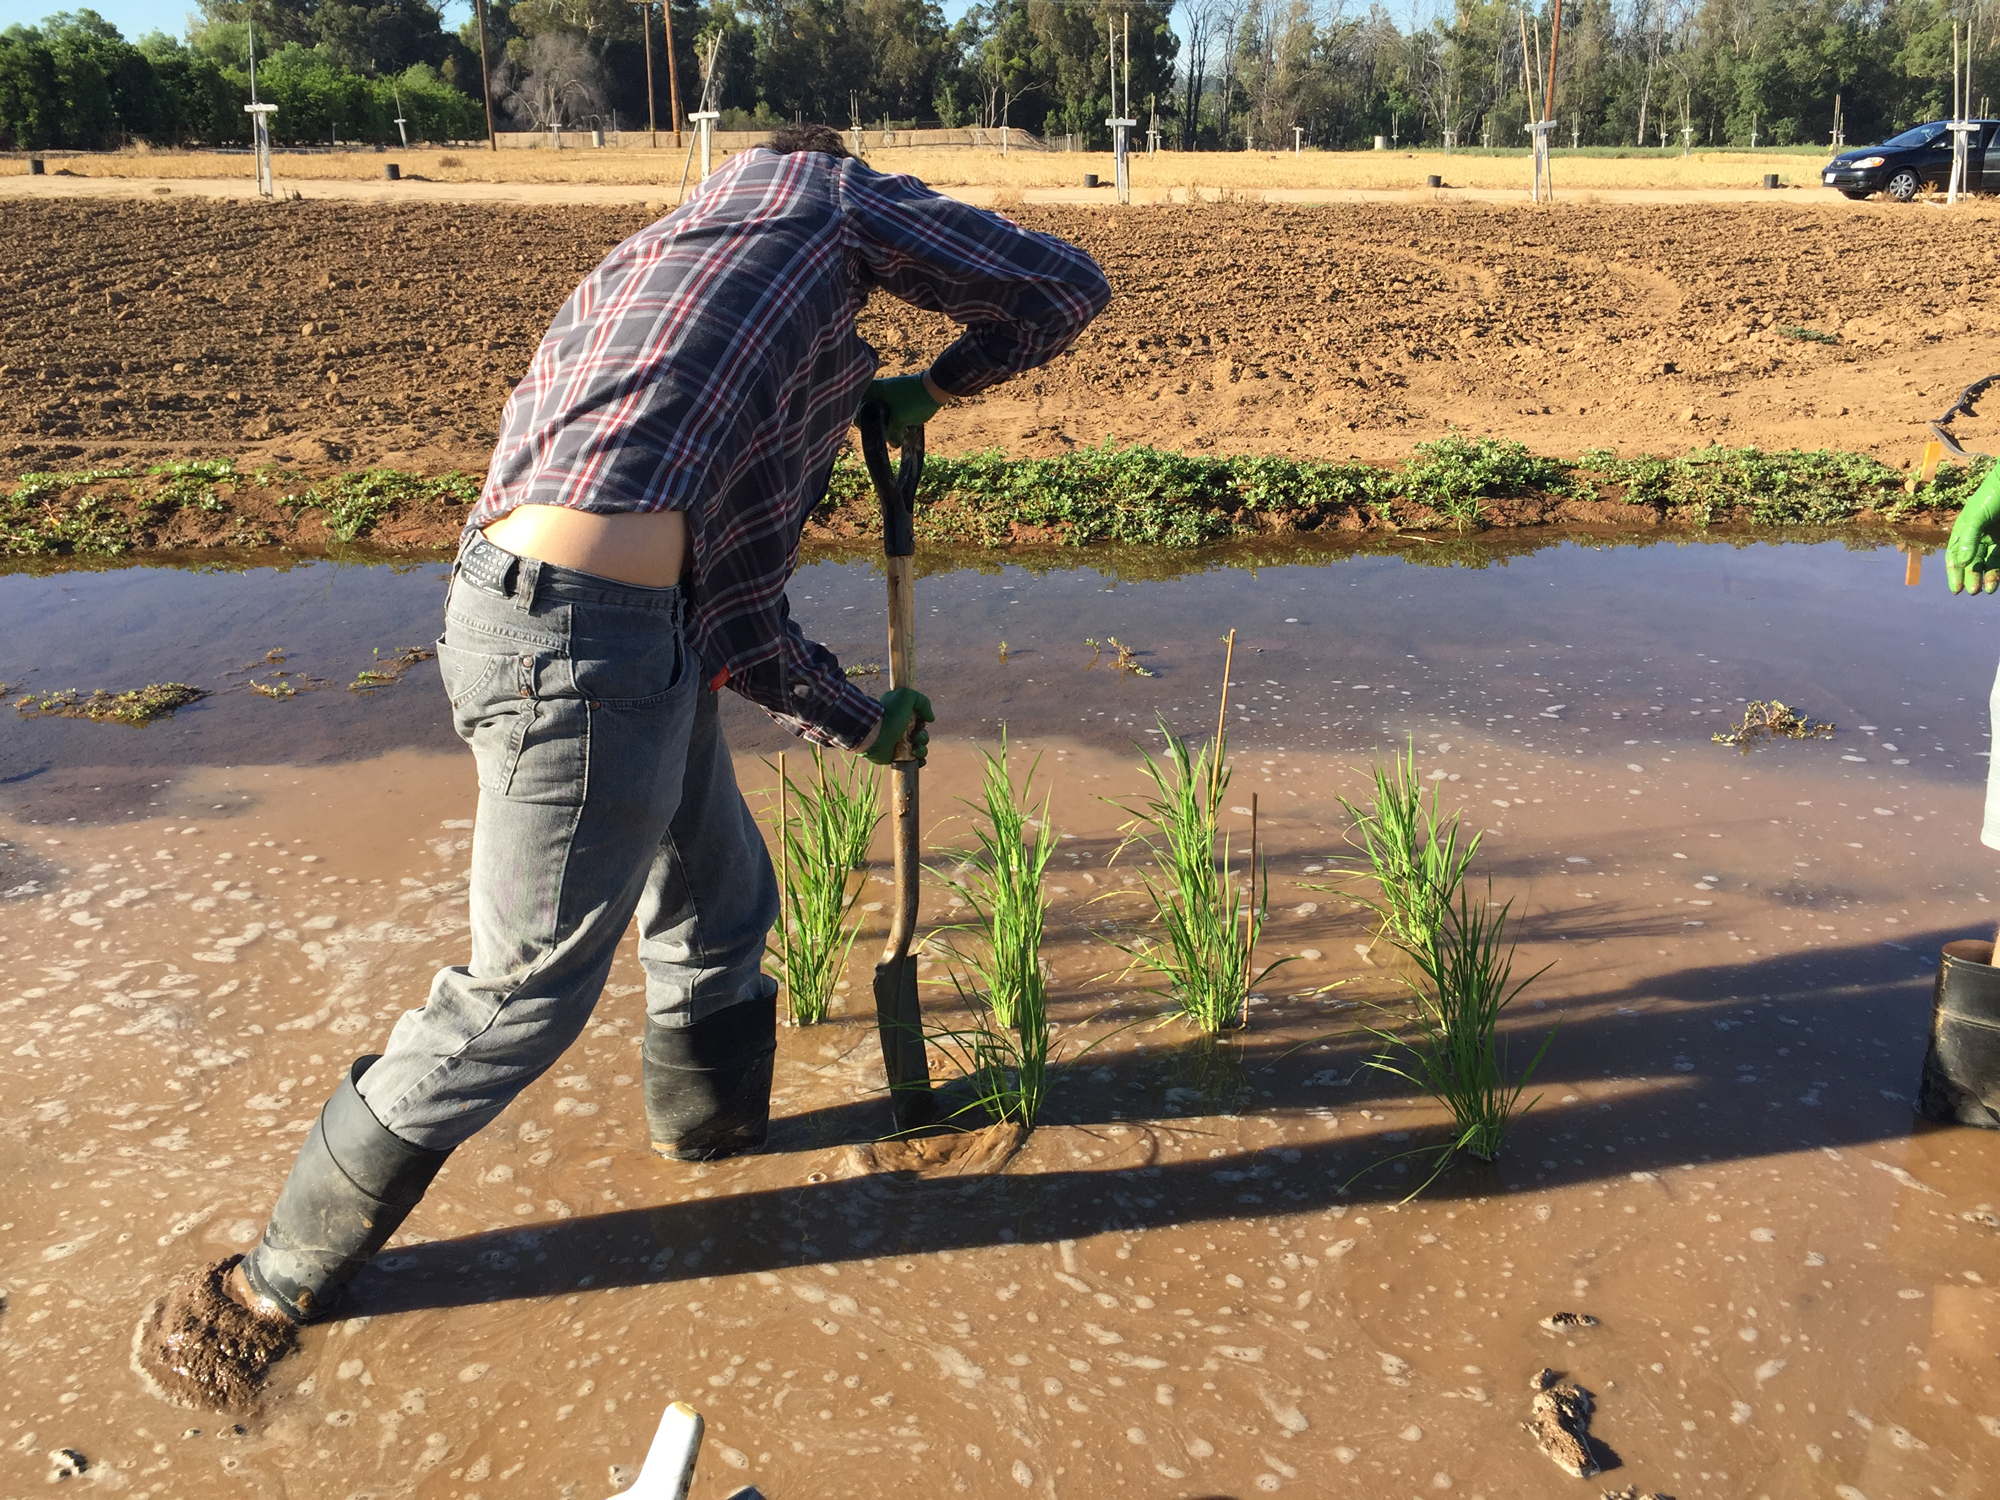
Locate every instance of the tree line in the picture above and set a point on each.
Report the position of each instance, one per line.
(1208, 74)
(1626, 72)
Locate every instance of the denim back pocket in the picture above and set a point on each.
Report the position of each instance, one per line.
(492, 707)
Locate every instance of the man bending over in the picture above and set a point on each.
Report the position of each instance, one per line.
(627, 560)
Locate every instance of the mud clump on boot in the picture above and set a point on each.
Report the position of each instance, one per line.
(1559, 1422)
(201, 1348)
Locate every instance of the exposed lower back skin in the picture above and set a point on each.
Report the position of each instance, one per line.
(644, 548)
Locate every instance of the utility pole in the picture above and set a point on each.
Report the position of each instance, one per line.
(485, 79)
(673, 71)
(646, 31)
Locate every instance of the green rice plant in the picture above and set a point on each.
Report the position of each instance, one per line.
(1004, 890)
(817, 825)
(1004, 1052)
(1206, 957)
(1451, 1047)
(1413, 854)
(853, 806)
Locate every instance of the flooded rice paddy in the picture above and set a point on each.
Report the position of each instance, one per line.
(1200, 1277)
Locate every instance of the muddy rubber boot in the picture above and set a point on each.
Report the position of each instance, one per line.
(351, 1188)
(708, 1086)
(1961, 1083)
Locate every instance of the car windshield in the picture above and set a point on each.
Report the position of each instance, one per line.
(1909, 140)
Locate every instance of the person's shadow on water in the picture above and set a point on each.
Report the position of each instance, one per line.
(1854, 1018)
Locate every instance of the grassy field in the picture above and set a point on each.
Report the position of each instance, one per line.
(1591, 168)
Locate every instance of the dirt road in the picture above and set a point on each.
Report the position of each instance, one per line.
(338, 334)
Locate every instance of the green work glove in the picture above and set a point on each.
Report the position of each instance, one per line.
(899, 707)
(1972, 556)
(908, 404)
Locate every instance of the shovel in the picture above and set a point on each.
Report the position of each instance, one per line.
(897, 1016)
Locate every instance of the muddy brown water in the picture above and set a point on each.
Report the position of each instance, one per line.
(1200, 1276)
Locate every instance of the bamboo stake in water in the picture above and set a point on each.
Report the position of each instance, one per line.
(784, 871)
(1221, 710)
(1250, 915)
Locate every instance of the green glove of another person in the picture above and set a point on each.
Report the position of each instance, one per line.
(1972, 555)
(899, 707)
(907, 402)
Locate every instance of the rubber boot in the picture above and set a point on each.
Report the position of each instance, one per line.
(353, 1185)
(1961, 1082)
(708, 1086)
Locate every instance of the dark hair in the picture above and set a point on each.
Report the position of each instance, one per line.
(821, 138)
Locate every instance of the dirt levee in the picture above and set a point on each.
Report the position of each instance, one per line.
(342, 335)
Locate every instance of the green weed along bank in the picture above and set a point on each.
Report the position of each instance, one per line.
(1138, 496)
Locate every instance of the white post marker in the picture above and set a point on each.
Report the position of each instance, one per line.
(1121, 155)
(1298, 139)
(704, 122)
(260, 130)
(1544, 185)
(1961, 144)
(400, 122)
(1961, 128)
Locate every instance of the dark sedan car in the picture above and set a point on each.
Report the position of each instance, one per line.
(1905, 165)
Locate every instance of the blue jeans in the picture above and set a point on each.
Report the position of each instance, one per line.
(605, 790)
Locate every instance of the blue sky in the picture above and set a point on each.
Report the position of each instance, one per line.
(133, 17)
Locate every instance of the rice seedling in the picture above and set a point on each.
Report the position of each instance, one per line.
(1413, 854)
(853, 808)
(823, 831)
(1206, 960)
(1005, 1052)
(1451, 1047)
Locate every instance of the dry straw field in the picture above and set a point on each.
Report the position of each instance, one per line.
(1169, 173)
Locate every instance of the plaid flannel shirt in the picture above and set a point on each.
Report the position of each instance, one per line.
(710, 365)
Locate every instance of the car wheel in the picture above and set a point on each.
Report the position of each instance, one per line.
(1855, 193)
(1905, 185)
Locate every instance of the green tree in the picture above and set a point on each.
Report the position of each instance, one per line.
(30, 91)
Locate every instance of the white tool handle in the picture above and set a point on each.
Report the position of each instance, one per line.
(669, 1466)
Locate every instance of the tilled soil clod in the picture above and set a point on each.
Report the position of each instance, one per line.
(1559, 1420)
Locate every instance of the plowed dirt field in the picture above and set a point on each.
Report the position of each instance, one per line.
(337, 335)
